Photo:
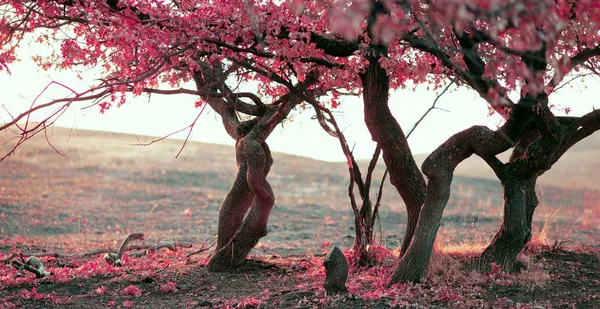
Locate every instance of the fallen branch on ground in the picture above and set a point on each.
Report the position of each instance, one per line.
(33, 265)
(112, 256)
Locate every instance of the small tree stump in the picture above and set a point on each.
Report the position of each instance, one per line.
(336, 270)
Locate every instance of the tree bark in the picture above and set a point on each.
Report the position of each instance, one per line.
(387, 133)
(413, 264)
(234, 207)
(531, 203)
(250, 190)
(519, 203)
(438, 168)
(535, 153)
(236, 238)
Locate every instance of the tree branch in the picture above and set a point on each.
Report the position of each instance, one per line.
(581, 57)
(583, 127)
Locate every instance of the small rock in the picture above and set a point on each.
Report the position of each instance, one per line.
(336, 270)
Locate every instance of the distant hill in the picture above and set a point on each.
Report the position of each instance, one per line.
(142, 186)
(294, 177)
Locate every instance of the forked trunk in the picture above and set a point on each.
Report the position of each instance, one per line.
(520, 200)
(364, 236)
(362, 244)
(439, 167)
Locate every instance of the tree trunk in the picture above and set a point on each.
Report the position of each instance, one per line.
(387, 133)
(234, 207)
(531, 203)
(414, 263)
(364, 236)
(236, 235)
(250, 190)
(519, 202)
(439, 167)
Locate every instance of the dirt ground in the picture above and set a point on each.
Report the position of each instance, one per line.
(102, 190)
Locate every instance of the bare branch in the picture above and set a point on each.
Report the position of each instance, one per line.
(202, 247)
(431, 108)
(115, 259)
(414, 127)
(169, 245)
(379, 195)
(78, 97)
(189, 127)
(573, 79)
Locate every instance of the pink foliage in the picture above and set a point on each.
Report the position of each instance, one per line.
(132, 290)
(169, 287)
(250, 302)
(34, 295)
(137, 55)
(101, 290)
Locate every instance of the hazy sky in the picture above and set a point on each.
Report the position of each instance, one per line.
(161, 115)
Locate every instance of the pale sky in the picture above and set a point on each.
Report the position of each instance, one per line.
(161, 115)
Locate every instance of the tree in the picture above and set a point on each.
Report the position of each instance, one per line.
(529, 50)
(141, 47)
(301, 50)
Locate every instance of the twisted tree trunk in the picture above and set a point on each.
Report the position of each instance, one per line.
(438, 168)
(250, 195)
(236, 235)
(537, 150)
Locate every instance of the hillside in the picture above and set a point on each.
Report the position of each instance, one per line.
(204, 172)
(576, 169)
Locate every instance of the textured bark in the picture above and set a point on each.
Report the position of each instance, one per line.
(236, 238)
(413, 264)
(438, 168)
(533, 154)
(516, 228)
(386, 132)
(544, 142)
(234, 207)
(251, 194)
(531, 203)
